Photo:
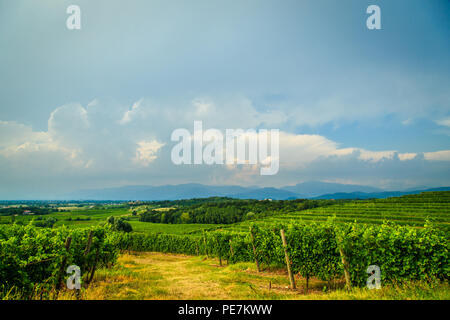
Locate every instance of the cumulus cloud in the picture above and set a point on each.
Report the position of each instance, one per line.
(106, 143)
(443, 155)
(146, 151)
(407, 156)
(444, 122)
(16, 134)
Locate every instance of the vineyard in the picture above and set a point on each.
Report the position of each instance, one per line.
(34, 260)
(410, 210)
(406, 237)
(318, 249)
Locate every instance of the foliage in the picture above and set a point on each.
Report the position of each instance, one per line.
(227, 212)
(119, 224)
(45, 223)
(31, 256)
(402, 253)
(9, 211)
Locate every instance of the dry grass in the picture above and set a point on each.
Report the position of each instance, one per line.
(141, 276)
(170, 276)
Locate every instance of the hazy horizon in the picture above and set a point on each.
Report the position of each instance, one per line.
(95, 108)
(80, 194)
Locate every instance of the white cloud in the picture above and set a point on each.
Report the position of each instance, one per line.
(444, 122)
(375, 156)
(407, 122)
(146, 152)
(105, 140)
(130, 114)
(443, 155)
(406, 156)
(15, 134)
(298, 149)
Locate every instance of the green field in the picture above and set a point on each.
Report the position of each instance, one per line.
(407, 237)
(148, 227)
(151, 275)
(75, 218)
(410, 210)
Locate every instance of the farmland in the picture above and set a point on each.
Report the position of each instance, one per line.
(406, 236)
(410, 210)
(150, 275)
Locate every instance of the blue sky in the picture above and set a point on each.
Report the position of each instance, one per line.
(309, 68)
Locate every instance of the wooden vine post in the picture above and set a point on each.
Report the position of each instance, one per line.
(219, 252)
(288, 263)
(231, 251)
(86, 252)
(63, 266)
(204, 241)
(348, 283)
(88, 246)
(252, 237)
(94, 266)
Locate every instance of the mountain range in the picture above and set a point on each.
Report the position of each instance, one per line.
(310, 190)
(378, 195)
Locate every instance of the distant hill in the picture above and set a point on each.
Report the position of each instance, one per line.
(377, 195)
(266, 193)
(317, 188)
(313, 190)
(168, 192)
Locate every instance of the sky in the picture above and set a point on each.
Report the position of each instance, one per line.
(95, 107)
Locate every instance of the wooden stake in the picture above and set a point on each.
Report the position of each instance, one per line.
(84, 266)
(348, 283)
(254, 249)
(63, 265)
(93, 268)
(220, 254)
(307, 283)
(288, 264)
(88, 247)
(204, 241)
(231, 251)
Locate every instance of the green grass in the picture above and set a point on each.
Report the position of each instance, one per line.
(148, 227)
(99, 216)
(95, 215)
(412, 210)
(164, 276)
(152, 275)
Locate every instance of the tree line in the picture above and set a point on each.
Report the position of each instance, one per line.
(227, 211)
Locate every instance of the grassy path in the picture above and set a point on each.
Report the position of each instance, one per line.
(170, 276)
(152, 275)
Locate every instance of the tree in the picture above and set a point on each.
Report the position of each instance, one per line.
(119, 224)
(185, 217)
(110, 220)
(44, 223)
